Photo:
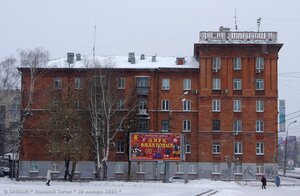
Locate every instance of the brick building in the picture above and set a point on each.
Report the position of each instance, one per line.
(223, 99)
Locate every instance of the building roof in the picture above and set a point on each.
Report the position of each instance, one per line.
(121, 62)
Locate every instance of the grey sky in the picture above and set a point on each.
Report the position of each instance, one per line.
(162, 27)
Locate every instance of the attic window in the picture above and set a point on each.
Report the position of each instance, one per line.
(180, 60)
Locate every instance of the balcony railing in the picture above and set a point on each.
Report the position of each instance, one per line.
(237, 37)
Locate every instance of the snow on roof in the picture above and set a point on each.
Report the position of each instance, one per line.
(121, 62)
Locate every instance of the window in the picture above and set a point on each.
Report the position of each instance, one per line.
(165, 105)
(238, 169)
(216, 64)
(216, 148)
(259, 126)
(142, 82)
(165, 126)
(78, 83)
(33, 166)
(142, 124)
(121, 104)
(192, 168)
(238, 148)
(216, 124)
(187, 84)
(216, 105)
(237, 63)
(188, 148)
(186, 105)
(15, 111)
(259, 84)
(55, 166)
(140, 168)
(187, 125)
(237, 105)
(57, 83)
(259, 148)
(260, 169)
(259, 63)
(120, 147)
(179, 168)
(142, 106)
(237, 84)
(259, 106)
(121, 83)
(216, 84)
(216, 168)
(165, 84)
(162, 168)
(119, 168)
(237, 125)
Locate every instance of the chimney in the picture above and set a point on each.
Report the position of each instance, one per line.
(78, 57)
(131, 58)
(153, 58)
(142, 57)
(70, 57)
(180, 60)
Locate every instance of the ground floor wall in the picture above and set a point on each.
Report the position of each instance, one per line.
(152, 170)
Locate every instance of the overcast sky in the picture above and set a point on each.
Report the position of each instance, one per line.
(162, 27)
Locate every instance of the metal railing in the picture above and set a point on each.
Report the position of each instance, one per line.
(237, 37)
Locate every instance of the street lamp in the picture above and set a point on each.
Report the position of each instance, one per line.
(285, 148)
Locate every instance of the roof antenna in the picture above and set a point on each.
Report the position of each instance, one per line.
(235, 20)
(258, 23)
(94, 47)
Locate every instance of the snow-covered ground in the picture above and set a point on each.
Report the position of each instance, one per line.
(12, 188)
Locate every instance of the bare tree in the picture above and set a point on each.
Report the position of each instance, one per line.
(67, 138)
(9, 76)
(109, 109)
(33, 62)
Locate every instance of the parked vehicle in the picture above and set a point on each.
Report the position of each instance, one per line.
(176, 179)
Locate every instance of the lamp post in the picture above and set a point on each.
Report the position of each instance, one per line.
(285, 147)
(166, 169)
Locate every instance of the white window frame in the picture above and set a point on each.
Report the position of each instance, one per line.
(186, 105)
(259, 126)
(119, 168)
(165, 105)
(186, 124)
(216, 84)
(120, 147)
(216, 169)
(238, 169)
(216, 64)
(216, 148)
(187, 84)
(237, 84)
(259, 63)
(260, 170)
(260, 106)
(238, 148)
(188, 149)
(165, 84)
(140, 168)
(121, 104)
(237, 125)
(78, 83)
(55, 166)
(260, 147)
(193, 168)
(165, 130)
(179, 168)
(216, 105)
(34, 166)
(142, 107)
(121, 83)
(237, 63)
(162, 168)
(237, 105)
(259, 84)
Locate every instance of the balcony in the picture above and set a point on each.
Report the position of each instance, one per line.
(142, 91)
(142, 112)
